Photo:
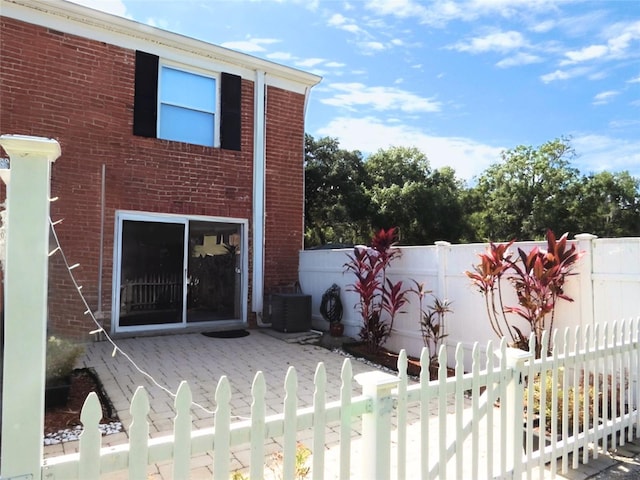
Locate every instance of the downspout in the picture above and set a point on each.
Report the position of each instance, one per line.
(99, 314)
(259, 181)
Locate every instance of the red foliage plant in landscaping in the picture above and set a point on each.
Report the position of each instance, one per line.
(380, 299)
(538, 278)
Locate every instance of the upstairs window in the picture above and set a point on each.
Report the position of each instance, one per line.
(180, 105)
(187, 107)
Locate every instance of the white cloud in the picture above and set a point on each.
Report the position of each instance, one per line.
(557, 75)
(351, 95)
(343, 23)
(158, 22)
(619, 38)
(591, 52)
(398, 8)
(435, 14)
(371, 47)
(599, 75)
(618, 124)
(114, 7)
(309, 62)
(564, 74)
(281, 56)
(250, 45)
(508, 8)
(335, 64)
(634, 80)
(439, 13)
(468, 157)
(518, 59)
(497, 41)
(603, 98)
(337, 20)
(543, 27)
(597, 153)
(621, 35)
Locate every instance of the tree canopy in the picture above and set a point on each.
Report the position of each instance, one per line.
(524, 193)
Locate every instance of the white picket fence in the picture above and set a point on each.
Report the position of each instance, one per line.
(446, 428)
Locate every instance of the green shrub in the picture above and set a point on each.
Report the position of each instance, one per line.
(576, 398)
(62, 356)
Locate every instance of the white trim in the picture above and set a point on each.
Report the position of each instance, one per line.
(89, 23)
(121, 215)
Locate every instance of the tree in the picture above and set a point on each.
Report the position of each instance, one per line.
(530, 191)
(337, 207)
(608, 205)
(405, 191)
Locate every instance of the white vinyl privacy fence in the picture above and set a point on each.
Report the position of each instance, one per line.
(604, 288)
(469, 425)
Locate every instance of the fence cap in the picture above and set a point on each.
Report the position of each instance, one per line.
(377, 378)
(514, 355)
(29, 146)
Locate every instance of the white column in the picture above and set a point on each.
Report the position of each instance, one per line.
(259, 183)
(376, 425)
(25, 292)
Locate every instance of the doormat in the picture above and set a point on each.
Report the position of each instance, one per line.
(227, 334)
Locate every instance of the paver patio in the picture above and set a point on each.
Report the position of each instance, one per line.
(202, 360)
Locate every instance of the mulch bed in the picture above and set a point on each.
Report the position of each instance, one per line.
(389, 359)
(83, 382)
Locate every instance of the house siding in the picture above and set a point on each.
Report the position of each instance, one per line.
(80, 92)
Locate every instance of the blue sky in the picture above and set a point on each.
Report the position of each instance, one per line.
(460, 80)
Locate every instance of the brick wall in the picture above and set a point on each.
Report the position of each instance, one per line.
(80, 92)
(284, 192)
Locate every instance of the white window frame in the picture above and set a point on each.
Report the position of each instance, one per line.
(123, 215)
(196, 71)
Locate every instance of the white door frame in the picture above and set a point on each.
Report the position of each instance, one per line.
(122, 215)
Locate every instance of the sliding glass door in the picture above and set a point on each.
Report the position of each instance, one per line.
(213, 272)
(173, 271)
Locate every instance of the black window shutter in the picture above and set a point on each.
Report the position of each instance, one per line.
(230, 111)
(145, 100)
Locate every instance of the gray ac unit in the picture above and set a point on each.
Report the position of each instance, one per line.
(290, 312)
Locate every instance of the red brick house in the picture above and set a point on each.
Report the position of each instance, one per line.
(181, 176)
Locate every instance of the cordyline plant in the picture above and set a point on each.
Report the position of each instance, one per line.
(432, 320)
(380, 299)
(538, 278)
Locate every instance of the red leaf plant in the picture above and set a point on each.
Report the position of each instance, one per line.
(380, 299)
(538, 278)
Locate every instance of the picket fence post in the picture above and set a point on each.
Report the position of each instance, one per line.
(514, 406)
(376, 424)
(25, 276)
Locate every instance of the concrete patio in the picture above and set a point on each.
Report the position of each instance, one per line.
(202, 360)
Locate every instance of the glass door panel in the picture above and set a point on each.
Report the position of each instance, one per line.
(213, 271)
(151, 273)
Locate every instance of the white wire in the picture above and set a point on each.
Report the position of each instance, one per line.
(116, 348)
